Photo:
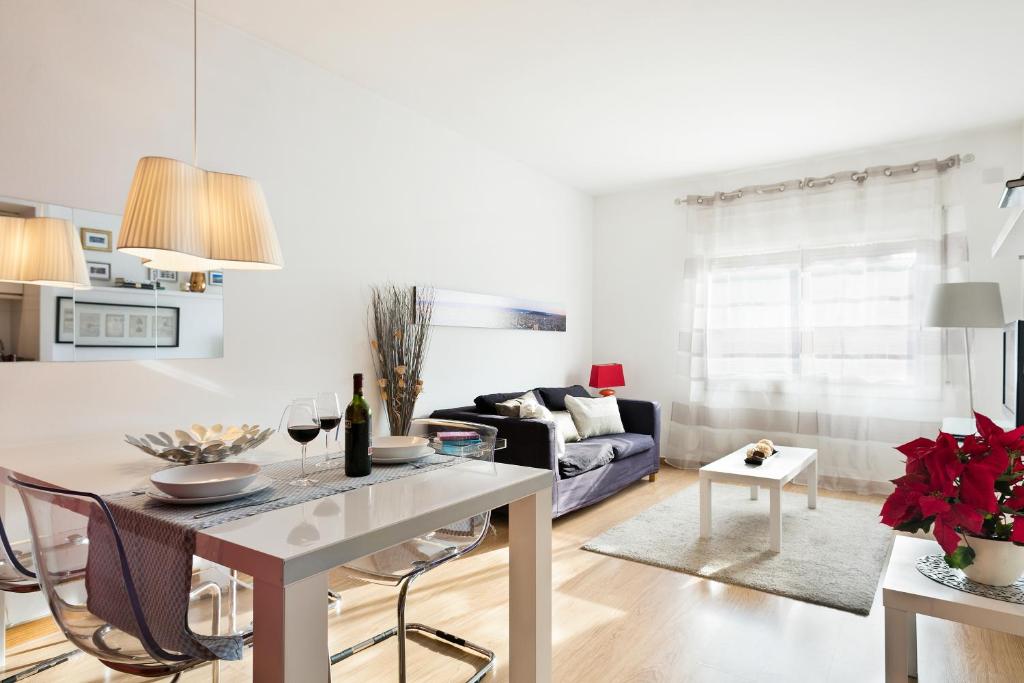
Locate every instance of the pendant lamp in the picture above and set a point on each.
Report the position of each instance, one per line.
(184, 218)
(42, 251)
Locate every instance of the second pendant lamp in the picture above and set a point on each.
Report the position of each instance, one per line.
(181, 217)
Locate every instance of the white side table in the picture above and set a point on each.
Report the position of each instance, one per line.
(906, 593)
(773, 474)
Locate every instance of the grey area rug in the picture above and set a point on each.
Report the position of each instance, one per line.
(831, 556)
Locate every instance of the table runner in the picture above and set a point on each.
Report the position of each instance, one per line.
(159, 541)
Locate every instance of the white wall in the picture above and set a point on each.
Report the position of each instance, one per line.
(362, 191)
(638, 255)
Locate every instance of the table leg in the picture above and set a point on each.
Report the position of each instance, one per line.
(775, 520)
(812, 484)
(529, 588)
(290, 627)
(705, 507)
(900, 645)
(753, 492)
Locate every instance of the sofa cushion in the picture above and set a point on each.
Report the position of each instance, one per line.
(554, 397)
(513, 407)
(565, 424)
(595, 416)
(624, 445)
(584, 456)
(485, 403)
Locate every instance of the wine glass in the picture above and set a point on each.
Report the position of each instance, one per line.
(328, 410)
(303, 426)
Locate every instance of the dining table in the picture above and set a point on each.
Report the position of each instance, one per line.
(290, 571)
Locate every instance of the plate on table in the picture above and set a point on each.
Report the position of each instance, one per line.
(261, 484)
(207, 480)
(398, 446)
(389, 459)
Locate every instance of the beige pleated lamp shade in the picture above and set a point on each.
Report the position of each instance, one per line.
(163, 218)
(53, 254)
(42, 251)
(12, 234)
(179, 217)
(242, 235)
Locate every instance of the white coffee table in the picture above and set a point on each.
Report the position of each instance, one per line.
(773, 474)
(907, 593)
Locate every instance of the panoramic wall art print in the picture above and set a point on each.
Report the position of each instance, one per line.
(466, 309)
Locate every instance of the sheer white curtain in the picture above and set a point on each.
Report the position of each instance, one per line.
(805, 309)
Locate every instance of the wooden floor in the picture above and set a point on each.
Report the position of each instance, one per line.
(618, 621)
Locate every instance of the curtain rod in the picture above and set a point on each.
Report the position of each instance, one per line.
(823, 182)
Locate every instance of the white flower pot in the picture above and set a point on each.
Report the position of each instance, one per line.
(996, 563)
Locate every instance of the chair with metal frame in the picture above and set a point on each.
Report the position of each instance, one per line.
(16, 576)
(61, 572)
(402, 564)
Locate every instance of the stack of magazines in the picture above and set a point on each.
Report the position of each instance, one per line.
(457, 443)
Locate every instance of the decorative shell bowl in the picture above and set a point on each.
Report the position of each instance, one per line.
(201, 444)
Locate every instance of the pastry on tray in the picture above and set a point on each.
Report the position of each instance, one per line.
(757, 453)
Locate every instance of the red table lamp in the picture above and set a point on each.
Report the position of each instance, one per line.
(607, 375)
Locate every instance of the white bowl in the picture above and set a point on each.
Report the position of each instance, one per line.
(202, 481)
(398, 446)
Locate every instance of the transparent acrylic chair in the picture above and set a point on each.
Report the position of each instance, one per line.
(17, 576)
(61, 570)
(402, 564)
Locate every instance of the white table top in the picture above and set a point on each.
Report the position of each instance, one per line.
(780, 468)
(965, 426)
(298, 541)
(904, 588)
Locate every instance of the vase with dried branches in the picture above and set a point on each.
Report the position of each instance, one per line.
(399, 329)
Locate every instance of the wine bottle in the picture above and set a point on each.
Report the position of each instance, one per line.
(358, 450)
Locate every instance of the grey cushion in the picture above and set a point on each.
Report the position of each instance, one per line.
(554, 397)
(624, 445)
(584, 456)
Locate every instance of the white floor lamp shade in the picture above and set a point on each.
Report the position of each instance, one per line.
(966, 304)
(42, 251)
(180, 217)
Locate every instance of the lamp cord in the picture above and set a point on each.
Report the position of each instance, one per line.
(195, 82)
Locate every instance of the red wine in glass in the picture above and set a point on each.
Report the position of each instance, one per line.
(328, 409)
(303, 426)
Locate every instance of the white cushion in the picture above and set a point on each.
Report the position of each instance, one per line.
(534, 410)
(564, 420)
(595, 416)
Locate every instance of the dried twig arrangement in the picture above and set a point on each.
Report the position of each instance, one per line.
(399, 329)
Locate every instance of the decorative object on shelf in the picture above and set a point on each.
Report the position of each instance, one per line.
(464, 309)
(757, 453)
(162, 275)
(201, 444)
(98, 270)
(965, 305)
(94, 239)
(128, 284)
(103, 325)
(41, 251)
(606, 375)
(216, 278)
(399, 327)
(970, 496)
(197, 282)
(936, 569)
(181, 217)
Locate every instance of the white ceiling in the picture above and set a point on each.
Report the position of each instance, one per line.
(603, 94)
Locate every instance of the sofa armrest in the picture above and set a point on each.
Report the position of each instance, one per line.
(642, 417)
(531, 443)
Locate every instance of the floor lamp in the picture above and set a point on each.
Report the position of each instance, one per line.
(966, 305)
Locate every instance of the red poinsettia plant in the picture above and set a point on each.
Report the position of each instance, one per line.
(969, 489)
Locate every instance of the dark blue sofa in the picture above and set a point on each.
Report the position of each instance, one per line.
(531, 443)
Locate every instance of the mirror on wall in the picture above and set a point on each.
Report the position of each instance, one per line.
(131, 312)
